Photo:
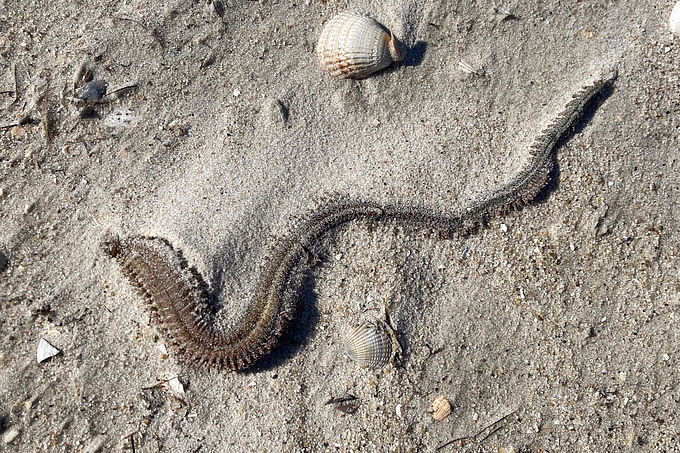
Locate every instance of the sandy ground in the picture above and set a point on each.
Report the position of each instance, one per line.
(563, 316)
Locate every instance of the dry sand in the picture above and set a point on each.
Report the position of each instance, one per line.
(564, 314)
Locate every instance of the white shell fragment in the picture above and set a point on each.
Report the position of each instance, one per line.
(175, 384)
(674, 20)
(120, 118)
(468, 68)
(95, 445)
(45, 350)
(370, 344)
(441, 408)
(354, 46)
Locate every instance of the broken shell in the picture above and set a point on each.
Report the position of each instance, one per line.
(441, 408)
(370, 344)
(354, 46)
(45, 350)
(175, 384)
(674, 20)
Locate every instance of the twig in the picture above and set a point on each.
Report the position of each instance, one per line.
(467, 440)
(341, 399)
(123, 90)
(347, 403)
(46, 120)
(433, 352)
(495, 426)
(16, 86)
(461, 441)
(151, 32)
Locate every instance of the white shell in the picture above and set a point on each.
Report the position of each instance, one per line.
(674, 20)
(370, 344)
(175, 384)
(45, 350)
(441, 408)
(354, 46)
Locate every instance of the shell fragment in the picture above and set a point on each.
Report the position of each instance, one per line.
(45, 350)
(674, 20)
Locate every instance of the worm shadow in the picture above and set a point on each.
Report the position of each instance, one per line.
(588, 114)
(415, 54)
(299, 333)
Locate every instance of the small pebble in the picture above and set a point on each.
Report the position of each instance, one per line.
(9, 435)
(18, 131)
(91, 91)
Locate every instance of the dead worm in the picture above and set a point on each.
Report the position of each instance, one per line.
(179, 298)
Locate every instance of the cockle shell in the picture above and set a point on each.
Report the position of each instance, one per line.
(441, 408)
(370, 344)
(674, 20)
(353, 45)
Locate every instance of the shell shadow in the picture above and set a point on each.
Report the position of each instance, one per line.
(415, 54)
(414, 57)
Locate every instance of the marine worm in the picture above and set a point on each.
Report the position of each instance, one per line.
(178, 296)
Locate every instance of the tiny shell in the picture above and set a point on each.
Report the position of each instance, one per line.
(441, 408)
(674, 20)
(370, 344)
(469, 68)
(354, 46)
(45, 350)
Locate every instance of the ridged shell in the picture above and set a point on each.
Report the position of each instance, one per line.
(370, 344)
(441, 408)
(354, 46)
(674, 20)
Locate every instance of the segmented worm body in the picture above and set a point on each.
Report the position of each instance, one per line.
(178, 295)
